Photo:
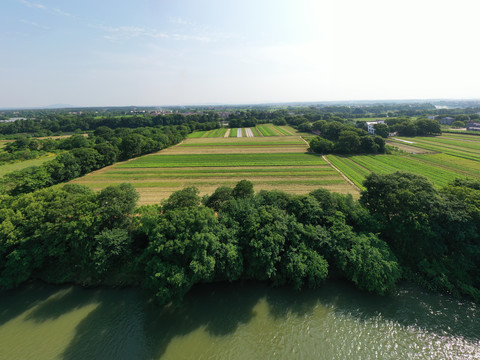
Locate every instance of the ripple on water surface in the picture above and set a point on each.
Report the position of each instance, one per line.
(239, 321)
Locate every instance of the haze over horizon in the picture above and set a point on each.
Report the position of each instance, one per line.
(151, 52)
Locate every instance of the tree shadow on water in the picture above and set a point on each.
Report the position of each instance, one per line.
(15, 302)
(131, 327)
(69, 299)
(124, 324)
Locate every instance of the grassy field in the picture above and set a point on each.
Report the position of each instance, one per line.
(270, 162)
(4, 169)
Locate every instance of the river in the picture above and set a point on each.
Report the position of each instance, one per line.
(237, 321)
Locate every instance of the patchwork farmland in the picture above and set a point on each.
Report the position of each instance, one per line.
(270, 162)
(441, 159)
(273, 157)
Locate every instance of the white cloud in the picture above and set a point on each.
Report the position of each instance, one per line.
(33, 5)
(37, 5)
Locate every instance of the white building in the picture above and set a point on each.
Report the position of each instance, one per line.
(371, 126)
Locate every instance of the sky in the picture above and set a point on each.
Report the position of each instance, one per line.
(179, 52)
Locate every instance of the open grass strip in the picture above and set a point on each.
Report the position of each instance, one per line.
(233, 132)
(244, 132)
(19, 165)
(214, 160)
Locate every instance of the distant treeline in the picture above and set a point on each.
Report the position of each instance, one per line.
(54, 123)
(48, 123)
(401, 228)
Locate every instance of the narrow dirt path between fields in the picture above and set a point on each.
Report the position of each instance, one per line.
(341, 173)
(227, 134)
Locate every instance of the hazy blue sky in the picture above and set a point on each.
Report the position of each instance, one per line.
(160, 52)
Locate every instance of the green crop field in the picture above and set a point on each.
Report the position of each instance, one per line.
(266, 130)
(276, 158)
(461, 148)
(197, 134)
(271, 162)
(441, 169)
(256, 133)
(209, 134)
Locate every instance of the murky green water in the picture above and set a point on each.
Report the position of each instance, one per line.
(240, 321)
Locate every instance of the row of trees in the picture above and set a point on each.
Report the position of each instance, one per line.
(401, 227)
(79, 155)
(49, 124)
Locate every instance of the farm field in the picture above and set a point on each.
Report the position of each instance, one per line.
(468, 148)
(270, 162)
(282, 162)
(439, 168)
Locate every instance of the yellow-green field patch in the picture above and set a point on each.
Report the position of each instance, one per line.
(6, 168)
